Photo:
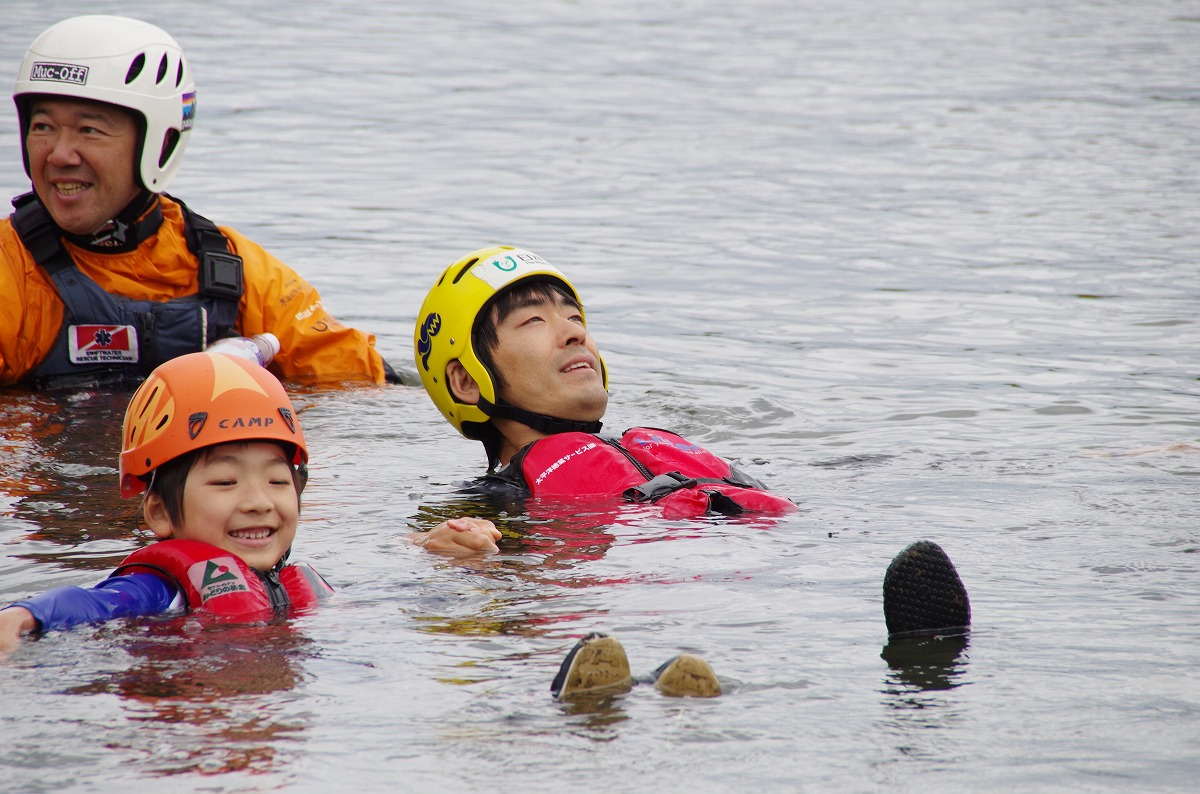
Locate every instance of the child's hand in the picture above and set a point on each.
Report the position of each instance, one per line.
(461, 537)
(14, 622)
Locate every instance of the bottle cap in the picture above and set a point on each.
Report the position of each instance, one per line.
(272, 342)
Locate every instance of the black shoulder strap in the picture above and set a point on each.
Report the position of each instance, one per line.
(220, 271)
(39, 234)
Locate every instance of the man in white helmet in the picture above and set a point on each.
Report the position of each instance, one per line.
(102, 275)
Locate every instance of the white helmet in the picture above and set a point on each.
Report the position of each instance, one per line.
(124, 62)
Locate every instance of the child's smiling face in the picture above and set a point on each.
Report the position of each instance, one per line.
(239, 497)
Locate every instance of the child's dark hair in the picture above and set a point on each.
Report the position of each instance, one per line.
(526, 293)
(169, 479)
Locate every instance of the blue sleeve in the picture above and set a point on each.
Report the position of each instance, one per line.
(118, 597)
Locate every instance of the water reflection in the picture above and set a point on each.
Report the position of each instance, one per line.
(924, 663)
(553, 536)
(599, 715)
(196, 685)
(535, 588)
(544, 545)
(60, 454)
(558, 535)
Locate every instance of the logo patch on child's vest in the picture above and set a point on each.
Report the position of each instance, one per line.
(102, 344)
(217, 577)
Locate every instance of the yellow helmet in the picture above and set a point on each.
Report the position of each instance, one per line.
(198, 400)
(447, 318)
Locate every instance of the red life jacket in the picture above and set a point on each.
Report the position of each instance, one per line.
(645, 465)
(220, 582)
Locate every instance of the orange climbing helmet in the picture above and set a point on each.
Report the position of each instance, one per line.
(199, 400)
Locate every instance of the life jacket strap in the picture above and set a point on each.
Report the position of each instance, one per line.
(658, 487)
(220, 271)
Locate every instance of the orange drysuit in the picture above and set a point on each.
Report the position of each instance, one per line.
(314, 346)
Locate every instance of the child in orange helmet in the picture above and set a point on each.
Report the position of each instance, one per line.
(214, 443)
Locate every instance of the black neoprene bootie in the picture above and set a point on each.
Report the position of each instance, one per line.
(922, 592)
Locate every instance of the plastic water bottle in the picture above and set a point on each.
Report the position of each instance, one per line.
(260, 348)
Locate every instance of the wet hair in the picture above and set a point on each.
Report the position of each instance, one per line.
(169, 479)
(484, 337)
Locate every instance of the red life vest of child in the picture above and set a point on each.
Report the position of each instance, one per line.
(220, 582)
(644, 465)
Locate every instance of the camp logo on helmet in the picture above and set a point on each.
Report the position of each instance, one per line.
(288, 419)
(197, 420)
(429, 329)
(59, 73)
(255, 421)
(196, 423)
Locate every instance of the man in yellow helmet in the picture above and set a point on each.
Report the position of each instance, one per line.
(503, 349)
(102, 275)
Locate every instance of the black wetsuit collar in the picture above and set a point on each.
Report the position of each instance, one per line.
(133, 225)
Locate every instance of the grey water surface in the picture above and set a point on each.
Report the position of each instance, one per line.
(930, 269)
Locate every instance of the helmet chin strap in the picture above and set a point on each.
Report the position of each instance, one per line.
(550, 425)
(132, 226)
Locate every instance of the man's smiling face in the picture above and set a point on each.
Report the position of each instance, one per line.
(81, 160)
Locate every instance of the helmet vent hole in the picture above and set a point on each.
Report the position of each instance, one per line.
(170, 140)
(464, 270)
(148, 402)
(135, 68)
(179, 74)
(162, 69)
(163, 422)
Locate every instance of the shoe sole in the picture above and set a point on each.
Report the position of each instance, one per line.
(922, 592)
(687, 676)
(596, 665)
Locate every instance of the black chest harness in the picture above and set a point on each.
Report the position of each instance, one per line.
(110, 340)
